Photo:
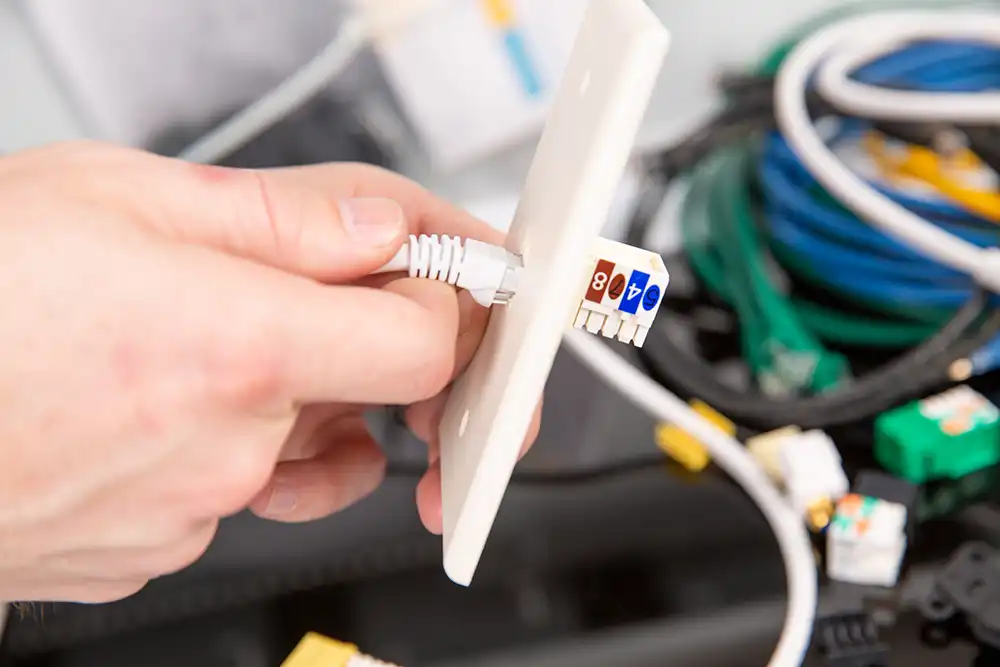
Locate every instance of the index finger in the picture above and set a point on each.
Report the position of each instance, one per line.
(394, 345)
(292, 340)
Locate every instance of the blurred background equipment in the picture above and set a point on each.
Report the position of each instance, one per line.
(822, 183)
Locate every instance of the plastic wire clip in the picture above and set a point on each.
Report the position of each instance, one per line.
(622, 292)
(317, 651)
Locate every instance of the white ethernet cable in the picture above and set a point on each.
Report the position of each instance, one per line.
(490, 273)
(487, 271)
(365, 22)
(287, 98)
(834, 82)
(983, 265)
(619, 297)
(789, 529)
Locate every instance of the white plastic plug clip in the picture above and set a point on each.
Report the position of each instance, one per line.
(866, 541)
(813, 475)
(488, 272)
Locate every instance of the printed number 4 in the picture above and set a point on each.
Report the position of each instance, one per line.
(633, 292)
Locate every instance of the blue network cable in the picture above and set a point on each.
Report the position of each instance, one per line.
(854, 259)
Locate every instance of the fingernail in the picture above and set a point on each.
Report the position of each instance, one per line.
(372, 221)
(283, 501)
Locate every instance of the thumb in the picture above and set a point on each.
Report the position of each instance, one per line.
(269, 217)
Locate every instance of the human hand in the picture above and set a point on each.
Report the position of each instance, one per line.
(182, 342)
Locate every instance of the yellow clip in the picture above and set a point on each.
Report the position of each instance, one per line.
(683, 447)
(500, 12)
(926, 166)
(318, 651)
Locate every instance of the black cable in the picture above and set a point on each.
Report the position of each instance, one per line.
(748, 89)
(915, 372)
(927, 135)
(982, 141)
(646, 210)
(570, 477)
(985, 143)
(911, 374)
(756, 115)
(750, 111)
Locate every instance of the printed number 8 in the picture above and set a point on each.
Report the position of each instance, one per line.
(600, 280)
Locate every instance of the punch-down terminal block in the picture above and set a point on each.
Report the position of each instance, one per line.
(622, 292)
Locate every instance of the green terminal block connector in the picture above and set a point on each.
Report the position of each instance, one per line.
(947, 436)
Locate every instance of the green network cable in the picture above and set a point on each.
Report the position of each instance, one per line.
(700, 244)
(726, 251)
(782, 337)
(771, 62)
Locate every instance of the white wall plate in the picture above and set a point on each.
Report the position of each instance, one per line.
(570, 188)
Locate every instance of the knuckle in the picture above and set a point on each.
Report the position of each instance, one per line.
(246, 366)
(180, 554)
(247, 473)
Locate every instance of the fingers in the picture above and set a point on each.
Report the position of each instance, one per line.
(111, 563)
(289, 341)
(425, 212)
(424, 420)
(342, 474)
(391, 346)
(318, 230)
(332, 222)
(83, 592)
(297, 229)
(429, 506)
(107, 573)
(303, 441)
(472, 321)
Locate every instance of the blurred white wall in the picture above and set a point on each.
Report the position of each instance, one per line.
(132, 67)
(709, 35)
(34, 109)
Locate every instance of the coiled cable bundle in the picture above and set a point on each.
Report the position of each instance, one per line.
(755, 216)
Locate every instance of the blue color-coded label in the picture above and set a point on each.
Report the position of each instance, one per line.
(517, 50)
(651, 297)
(633, 293)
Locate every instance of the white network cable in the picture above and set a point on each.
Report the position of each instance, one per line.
(287, 98)
(365, 22)
(834, 82)
(869, 204)
(788, 527)
(487, 271)
(490, 273)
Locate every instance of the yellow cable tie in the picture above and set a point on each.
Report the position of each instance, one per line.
(683, 447)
